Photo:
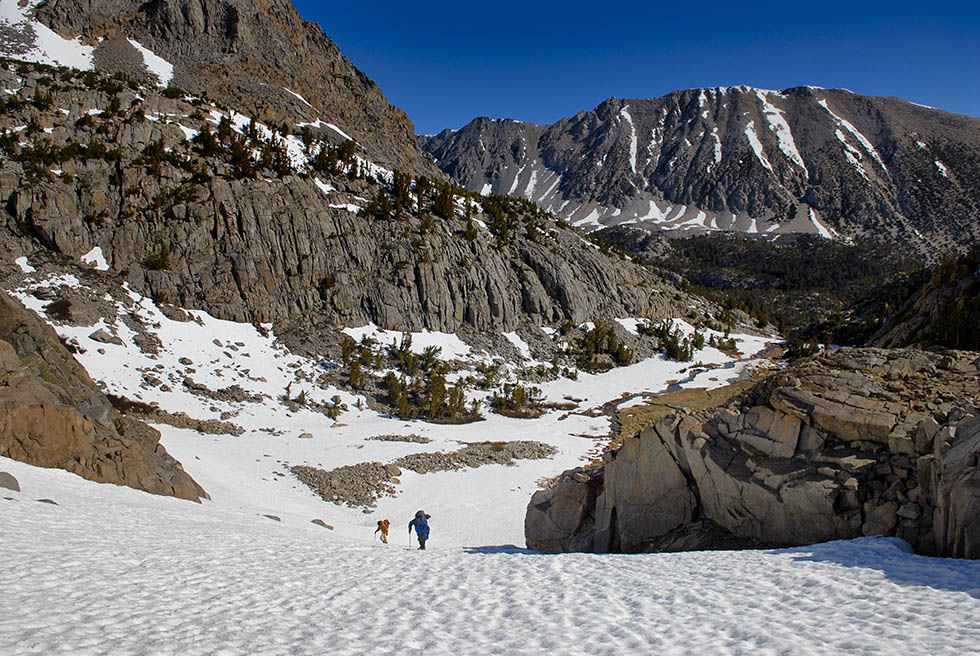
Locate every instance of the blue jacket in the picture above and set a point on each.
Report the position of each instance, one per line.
(421, 527)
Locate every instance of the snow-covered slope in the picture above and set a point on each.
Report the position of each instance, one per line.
(30, 40)
(113, 570)
(249, 472)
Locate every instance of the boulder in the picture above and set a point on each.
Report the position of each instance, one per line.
(53, 415)
(820, 451)
(645, 495)
(558, 519)
(8, 482)
(105, 337)
(882, 520)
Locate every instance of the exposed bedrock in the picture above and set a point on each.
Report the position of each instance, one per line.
(53, 415)
(853, 442)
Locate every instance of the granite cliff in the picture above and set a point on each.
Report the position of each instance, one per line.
(852, 442)
(254, 224)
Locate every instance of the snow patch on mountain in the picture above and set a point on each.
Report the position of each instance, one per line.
(753, 138)
(532, 182)
(451, 346)
(624, 112)
(824, 231)
(298, 97)
(519, 344)
(852, 154)
(36, 42)
(157, 65)
(778, 124)
(865, 143)
(24, 265)
(517, 179)
(95, 258)
(555, 178)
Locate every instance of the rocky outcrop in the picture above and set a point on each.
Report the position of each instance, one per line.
(811, 160)
(253, 55)
(292, 248)
(853, 442)
(53, 415)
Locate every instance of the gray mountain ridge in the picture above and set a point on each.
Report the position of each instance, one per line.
(253, 55)
(292, 248)
(741, 159)
(296, 247)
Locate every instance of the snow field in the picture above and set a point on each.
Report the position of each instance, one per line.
(115, 570)
(49, 46)
(249, 473)
(156, 64)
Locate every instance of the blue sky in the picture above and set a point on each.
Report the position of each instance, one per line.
(447, 63)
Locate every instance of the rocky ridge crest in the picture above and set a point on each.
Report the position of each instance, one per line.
(253, 55)
(806, 159)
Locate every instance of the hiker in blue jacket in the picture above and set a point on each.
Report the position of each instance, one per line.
(421, 527)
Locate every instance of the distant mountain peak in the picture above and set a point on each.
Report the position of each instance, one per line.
(739, 158)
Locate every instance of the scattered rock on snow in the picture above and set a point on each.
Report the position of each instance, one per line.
(9, 482)
(105, 337)
(362, 484)
(418, 439)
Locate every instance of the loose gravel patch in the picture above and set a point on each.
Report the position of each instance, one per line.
(364, 483)
(418, 439)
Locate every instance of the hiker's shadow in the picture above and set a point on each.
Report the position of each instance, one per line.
(893, 558)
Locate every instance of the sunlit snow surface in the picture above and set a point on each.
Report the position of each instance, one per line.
(240, 473)
(48, 47)
(113, 570)
(156, 64)
(96, 258)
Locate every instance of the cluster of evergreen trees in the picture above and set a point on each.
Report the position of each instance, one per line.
(598, 341)
(516, 400)
(431, 198)
(416, 387)
(792, 284)
(671, 341)
(958, 323)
